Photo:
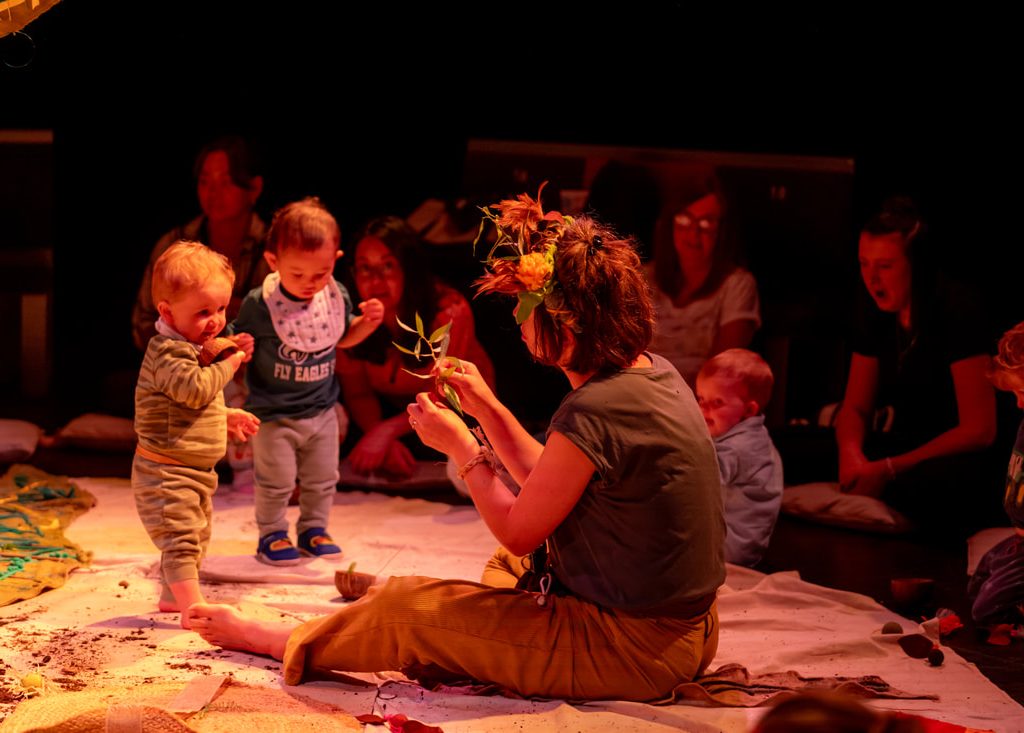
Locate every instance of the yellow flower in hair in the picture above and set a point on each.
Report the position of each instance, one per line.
(521, 260)
(534, 270)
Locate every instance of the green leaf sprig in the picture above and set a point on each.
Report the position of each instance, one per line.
(436, 347)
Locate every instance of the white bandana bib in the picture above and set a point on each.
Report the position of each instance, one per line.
(306, 325)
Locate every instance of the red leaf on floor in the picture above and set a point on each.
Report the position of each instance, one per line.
(1000, 634)
(949, 624)
(400, 723)
(415, 726)
(932, 725)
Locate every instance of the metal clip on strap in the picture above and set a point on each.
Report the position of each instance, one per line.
(545, 587)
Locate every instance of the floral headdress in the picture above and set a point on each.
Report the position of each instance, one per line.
(521, 262)
(522, 259)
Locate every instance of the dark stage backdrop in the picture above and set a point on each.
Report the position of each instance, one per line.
(371, 109)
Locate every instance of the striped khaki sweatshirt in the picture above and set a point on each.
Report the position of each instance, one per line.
(179, 405)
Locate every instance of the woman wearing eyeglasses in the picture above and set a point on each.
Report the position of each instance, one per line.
(704, 302)
(389, 264)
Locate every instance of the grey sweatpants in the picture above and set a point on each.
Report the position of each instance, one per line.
(175, 504)
(301, 452)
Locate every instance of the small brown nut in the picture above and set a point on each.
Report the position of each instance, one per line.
(215, 349)
(352, 585)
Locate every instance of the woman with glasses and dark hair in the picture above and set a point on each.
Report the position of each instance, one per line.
(704, 303)
(389, 264)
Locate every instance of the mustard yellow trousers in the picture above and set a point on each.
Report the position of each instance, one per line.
(568, 648)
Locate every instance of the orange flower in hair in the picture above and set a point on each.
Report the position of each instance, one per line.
(534, 270)
(522, 259)
(521, 213)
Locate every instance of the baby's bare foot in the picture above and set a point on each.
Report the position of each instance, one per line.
(172, 607)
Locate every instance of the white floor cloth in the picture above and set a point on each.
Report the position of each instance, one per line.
(102, 627)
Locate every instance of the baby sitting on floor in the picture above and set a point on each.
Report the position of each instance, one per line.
(997, 586)
(732, 388)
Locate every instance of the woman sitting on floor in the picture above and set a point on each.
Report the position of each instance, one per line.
(624, 497)
(923, 348)
(228, 184)
(704, 302)
(389, 264)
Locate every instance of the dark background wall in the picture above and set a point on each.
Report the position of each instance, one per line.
(370, 108)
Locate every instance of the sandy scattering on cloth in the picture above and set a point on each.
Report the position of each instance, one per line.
(101, 631)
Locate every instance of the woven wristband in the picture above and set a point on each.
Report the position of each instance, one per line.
(479, 458)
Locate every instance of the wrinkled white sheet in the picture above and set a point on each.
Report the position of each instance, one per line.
(769, 623)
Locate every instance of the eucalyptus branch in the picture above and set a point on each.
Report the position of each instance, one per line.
(436, 347)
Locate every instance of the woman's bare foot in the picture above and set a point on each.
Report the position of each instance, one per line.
(225, 626)
(352, 585)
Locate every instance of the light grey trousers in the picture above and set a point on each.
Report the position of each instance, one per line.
(289, 453)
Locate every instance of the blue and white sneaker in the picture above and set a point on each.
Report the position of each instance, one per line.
(315, 542)
(276, 549)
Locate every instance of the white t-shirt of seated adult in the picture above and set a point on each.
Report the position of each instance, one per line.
(685, 335)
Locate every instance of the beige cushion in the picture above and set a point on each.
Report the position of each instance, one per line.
(981, 542)
(98, 432)
(823, 502)
(18, 440)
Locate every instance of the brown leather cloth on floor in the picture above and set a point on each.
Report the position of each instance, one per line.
(731, 685)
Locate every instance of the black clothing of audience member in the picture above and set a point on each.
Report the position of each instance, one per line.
(915, 378)
(923, 346)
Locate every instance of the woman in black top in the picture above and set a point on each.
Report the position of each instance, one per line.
(923, 348)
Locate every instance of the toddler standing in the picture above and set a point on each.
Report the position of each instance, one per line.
(180, 417)
(298, 317)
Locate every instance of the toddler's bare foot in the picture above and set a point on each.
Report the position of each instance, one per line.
(172, 607)
(225, 626)
(183, 594)
(352, 585)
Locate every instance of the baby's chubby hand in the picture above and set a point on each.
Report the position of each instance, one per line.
(373, 311)
(242, 424)
(245, 342)
(237, 359)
